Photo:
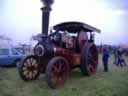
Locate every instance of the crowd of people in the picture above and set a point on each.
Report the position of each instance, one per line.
(119, 59)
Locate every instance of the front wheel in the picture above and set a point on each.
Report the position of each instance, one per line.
(57, 72)
(28, 68)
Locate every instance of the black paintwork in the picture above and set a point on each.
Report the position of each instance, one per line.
(74, 27)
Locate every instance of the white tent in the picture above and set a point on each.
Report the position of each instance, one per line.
(5, 41)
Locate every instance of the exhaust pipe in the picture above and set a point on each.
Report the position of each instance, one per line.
(45, 15)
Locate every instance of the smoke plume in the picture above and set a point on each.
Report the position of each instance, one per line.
(47, 2)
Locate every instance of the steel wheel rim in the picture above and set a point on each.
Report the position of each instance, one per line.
(30, 68)
(59, 73)
(92, 60)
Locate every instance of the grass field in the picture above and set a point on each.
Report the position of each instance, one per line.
(113, 83)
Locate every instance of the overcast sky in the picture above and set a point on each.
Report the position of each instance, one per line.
(20, 19)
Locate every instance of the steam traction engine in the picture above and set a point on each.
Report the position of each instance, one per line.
(67, 46)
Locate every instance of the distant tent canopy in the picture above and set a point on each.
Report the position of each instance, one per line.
(5, 38)
(5, 41)
(124, 46)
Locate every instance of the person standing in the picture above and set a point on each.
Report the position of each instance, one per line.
(121, 60)
(115, 57)
(105, 58)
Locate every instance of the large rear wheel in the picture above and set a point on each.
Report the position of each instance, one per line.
(28, 68)
(89, 59)
(57, 72)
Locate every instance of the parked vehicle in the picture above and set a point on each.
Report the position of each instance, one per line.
(21, 50)
(10, 56)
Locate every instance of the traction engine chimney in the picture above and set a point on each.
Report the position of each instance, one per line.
(45, 15)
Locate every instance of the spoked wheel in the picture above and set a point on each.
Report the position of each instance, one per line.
(57, 72)
(89, 59)
(28, 68)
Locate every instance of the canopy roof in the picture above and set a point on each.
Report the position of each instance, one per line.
(74, 27)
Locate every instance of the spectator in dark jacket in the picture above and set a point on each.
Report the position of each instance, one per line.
(105, 59)
(121, 60)
(115, 56)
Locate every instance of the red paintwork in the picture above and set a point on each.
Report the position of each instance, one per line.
(92, 59)
(59, 73)
(82, 39)
(69, 55)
